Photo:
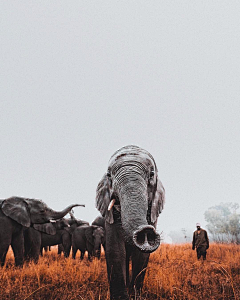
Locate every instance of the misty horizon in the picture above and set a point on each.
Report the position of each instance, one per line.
(80, 80)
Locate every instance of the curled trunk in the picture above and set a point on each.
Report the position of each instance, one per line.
(60, 214)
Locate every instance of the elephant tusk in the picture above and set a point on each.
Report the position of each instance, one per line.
(110, 206)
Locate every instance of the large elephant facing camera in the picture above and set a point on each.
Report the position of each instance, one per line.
(17, 214)
(130, 197)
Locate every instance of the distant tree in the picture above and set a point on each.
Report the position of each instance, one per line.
(224, 222)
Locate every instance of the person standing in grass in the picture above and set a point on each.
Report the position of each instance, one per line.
(200, 242)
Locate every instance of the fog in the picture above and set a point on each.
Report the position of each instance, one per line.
(81, 79)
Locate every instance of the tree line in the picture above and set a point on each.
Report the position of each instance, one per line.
(223, 225)
(223, 222)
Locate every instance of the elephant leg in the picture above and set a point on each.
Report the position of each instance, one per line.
(32, 243)
(98, 254)
(82, 255)
(74, 251)
(66, 242)
(41, 251)
(139, 265)
(18, 248)
(90, 255)
(59, 249)
(67, 252)
(116, 262)
(5, 239)
(3, 253)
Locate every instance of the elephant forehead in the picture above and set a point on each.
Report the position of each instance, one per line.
(36, 203)
(131, 163)
(99, 229)
(132, 154)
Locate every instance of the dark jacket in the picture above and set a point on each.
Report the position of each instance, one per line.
(200, 239)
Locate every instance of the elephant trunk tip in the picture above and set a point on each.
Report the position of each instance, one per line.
(146, 238)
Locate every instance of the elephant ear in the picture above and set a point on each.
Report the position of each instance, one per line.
(17, 209)
(157, 202)
(89, 234)
(103, 199)
(47, 228)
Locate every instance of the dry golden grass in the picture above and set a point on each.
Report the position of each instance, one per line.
(173, 273)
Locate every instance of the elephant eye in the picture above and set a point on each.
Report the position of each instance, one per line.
(152, 173)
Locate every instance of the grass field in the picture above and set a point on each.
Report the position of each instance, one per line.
(173, 273)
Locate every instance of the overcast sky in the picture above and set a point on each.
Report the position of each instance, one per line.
(81, 79)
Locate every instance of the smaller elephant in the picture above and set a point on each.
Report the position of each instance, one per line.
(61, 236)
(43, 235)
(88, 238)
(100, 221)
(73, 223)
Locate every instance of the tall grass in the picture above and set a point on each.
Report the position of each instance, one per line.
(173, 273)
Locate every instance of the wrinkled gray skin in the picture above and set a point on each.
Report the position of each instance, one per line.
(132, 180)
(87, 238)
(17, 214)
(73, 223)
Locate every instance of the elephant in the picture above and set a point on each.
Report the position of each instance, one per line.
(60, 249)
(73, 223)
(87, 238)
(130, 197)
(48, 234)
(100, 221)
(61, 235)
(18, 214)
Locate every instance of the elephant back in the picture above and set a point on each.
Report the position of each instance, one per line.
(99, 221)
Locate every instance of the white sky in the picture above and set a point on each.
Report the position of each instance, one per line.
(80, 79)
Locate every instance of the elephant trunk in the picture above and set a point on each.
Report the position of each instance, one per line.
(97, 248)
(52, 214)
(134, 207)
(146, 238)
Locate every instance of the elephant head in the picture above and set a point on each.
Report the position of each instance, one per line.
(130, 193)
(27, 211)
(73, 223)
(95, 237)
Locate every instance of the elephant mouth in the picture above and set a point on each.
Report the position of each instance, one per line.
(146, 238)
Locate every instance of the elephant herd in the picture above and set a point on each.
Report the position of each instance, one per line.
(130, 197)
(29, 225)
